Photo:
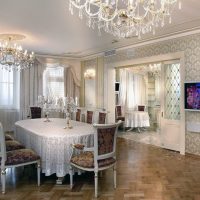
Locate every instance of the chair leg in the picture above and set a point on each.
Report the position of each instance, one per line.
(115, 176)
(38, 173)
(71, 176)
(3, 180)
(96, 183)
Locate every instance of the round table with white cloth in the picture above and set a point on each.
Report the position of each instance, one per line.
(52, 142)
(137, 119)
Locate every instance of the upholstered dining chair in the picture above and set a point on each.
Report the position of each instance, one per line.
(99, 157)
(119, 116)
(36, 112)
(78, 115)
(15, 158)
(89, 117)
(141, 108)
(102, 117)
(8, 137)
(12, 145)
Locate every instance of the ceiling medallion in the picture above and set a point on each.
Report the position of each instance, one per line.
(125, 18)
(12, 57)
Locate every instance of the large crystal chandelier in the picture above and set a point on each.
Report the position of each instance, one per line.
(12, 57)
(125, 18)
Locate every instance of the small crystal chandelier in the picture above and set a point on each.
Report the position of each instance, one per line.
(12, 57)
(125, 18)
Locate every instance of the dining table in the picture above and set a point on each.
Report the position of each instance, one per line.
(136, 119)
(52, 142)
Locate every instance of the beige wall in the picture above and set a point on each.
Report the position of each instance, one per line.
(92, 89)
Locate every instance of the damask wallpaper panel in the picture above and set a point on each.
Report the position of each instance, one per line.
(191, 47)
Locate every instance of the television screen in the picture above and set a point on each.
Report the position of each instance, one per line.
(192, 96)
(117, 86)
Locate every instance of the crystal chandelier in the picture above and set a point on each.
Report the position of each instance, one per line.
(12, 57)
(125, 18)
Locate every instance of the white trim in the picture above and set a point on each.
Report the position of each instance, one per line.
(139, 61)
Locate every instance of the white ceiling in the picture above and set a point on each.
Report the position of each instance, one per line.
(50, 28)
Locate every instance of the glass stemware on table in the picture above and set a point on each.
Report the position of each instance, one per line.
(68, 105)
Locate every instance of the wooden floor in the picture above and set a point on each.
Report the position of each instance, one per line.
(144, 172)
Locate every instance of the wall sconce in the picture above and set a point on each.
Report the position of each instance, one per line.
(89, 74)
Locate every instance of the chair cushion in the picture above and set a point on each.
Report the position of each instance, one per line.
(86, 159)
(8, 137)
(79, 146)
(13, 145)
(121, 118)
(21, 156)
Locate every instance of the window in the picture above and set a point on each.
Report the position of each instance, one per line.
(53, 81)
(9, 89)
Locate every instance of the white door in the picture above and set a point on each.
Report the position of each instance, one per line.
(171, 99)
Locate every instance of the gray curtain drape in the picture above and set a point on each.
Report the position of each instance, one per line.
(31, 82)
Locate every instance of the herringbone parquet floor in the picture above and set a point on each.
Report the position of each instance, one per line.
(144, 172)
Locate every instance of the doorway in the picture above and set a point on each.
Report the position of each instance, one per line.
(162, 101)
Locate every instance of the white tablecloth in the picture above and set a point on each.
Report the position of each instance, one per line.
(52, 142)
(137, 119)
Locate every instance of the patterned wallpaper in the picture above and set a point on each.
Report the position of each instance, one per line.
(191, 47)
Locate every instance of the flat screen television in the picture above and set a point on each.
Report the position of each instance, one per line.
(192, 96)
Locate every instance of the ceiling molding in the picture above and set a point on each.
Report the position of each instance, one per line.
(162, 38)
(57, 56)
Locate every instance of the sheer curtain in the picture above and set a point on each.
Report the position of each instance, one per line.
(132, 90)
(9, 98)
(53, 81)
(31, 85)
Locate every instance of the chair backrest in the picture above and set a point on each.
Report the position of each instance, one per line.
(118, 110)
(78, 115)
(105, 141)
(36, 112)
(141, 107)
(89, 118)
(3, 146)
(102, 117)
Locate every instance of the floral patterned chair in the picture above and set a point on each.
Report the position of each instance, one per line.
(141, 108)
(119, 116)
(15, 158)
(78, 115)
(102, 117)
(12, 145)
(89, 118)
(8, 137)
(36, 112)
(100, 157)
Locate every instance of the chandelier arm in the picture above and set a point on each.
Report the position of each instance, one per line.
(89, 13)
(78, 6)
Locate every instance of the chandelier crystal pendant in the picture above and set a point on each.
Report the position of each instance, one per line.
(12, 57)
(125, 18)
